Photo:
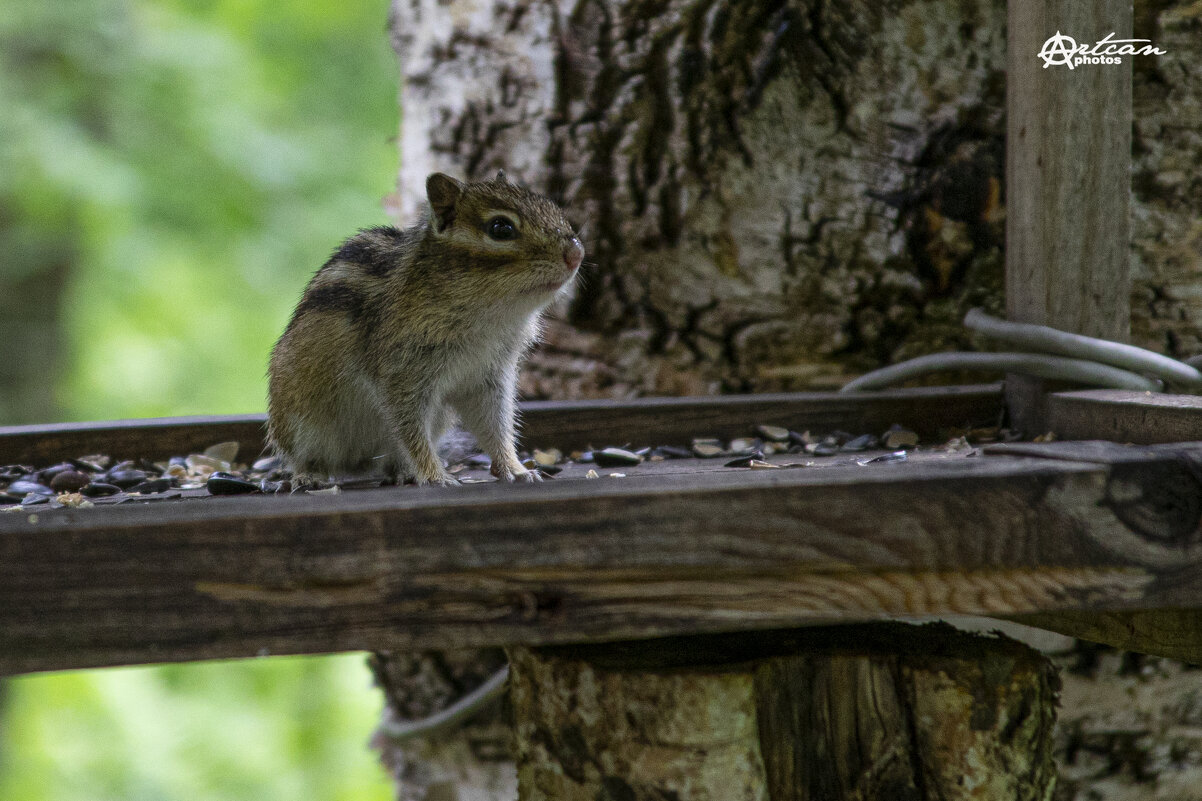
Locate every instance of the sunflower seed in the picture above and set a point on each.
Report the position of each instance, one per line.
(898, 437)
(773, 433)
(896, 456)
(616, 457)
(221, 483)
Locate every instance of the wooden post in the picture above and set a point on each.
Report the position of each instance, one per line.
(1068, 157)
(874, 711)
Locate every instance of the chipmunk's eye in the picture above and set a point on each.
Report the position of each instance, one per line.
(501, 229)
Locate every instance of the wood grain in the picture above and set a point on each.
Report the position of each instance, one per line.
(576, 561)
(560, 424)
(1066, 214)
(1175, 633)
(1122, 416)
(151, 438)
(1096, 450)
(664, 421)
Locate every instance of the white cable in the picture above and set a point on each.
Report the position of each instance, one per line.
(454, 714)
(1042, 339)
(1058, 367)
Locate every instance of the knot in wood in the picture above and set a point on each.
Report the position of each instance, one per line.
(529, 606)
(1160, 502)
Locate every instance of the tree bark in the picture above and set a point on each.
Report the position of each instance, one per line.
(778, 195)
(866, 712)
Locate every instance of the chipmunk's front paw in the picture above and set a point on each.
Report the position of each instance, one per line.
(303, 482)
(439, 479)
(515, 473)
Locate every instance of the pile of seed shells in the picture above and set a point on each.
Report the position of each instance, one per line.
(750, 452)
(99, 480)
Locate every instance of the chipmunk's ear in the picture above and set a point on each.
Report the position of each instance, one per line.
(502, 178)
(443, 192)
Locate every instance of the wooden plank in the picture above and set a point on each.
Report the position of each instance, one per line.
(562, 424)
(601, 560)
(151, 438)
(1096, 450)
(1123, 416)
(665, 421)
(1175, 633)
(1068, 157)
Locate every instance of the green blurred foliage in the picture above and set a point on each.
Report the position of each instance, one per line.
(205, 157)
(273, 730)
(200, 159)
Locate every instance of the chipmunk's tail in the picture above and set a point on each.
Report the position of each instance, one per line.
(456, 445)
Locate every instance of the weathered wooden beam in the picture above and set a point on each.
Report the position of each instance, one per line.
(1175, 633)
(1122, 416)
(1068, 158)
(150, 438)
(930, 411)
(571, 561)
(1100, 451)
(560, 424)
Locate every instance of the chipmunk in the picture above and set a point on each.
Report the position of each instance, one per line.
(402, 330)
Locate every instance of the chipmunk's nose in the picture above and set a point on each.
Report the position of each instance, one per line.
(573, 254)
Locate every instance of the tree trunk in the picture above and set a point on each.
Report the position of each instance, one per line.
(863, 712)
(777, 195)
(34, 276)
